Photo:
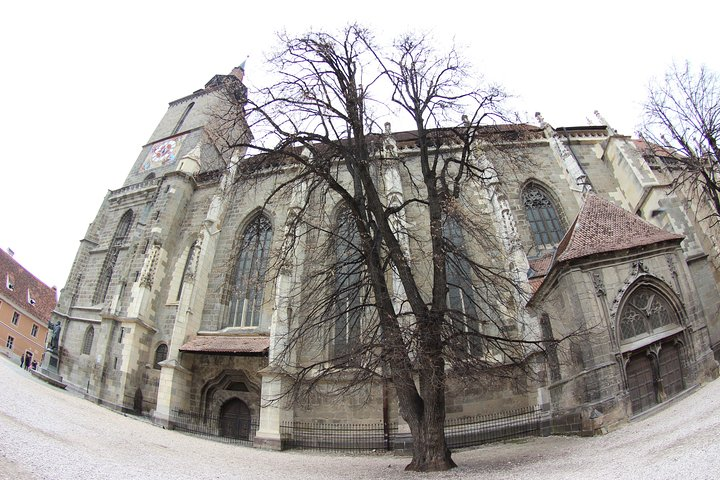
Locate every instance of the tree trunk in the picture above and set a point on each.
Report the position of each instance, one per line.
(430, 452)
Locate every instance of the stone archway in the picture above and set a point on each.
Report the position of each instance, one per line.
(651, 337)
(234, 421)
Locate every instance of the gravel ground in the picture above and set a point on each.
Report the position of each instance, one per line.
(48, 433)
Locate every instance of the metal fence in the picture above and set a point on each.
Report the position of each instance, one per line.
(459, 432)
(229, 428)
(471, 431)
(338, 437)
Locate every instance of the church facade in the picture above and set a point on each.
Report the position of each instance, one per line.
(157, 320)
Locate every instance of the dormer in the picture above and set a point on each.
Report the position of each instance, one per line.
(10, 282)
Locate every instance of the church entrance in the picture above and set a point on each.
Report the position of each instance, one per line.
(641, 383)
(654, 375)
(235, 419)
(651, 336)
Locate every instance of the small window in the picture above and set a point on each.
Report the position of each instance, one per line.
(15, 318)
(88, 340)
(161, 354)
(9, 343)
(34, 330)
(10, 282)
(30, 298)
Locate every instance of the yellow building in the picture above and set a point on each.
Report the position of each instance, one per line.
(26, 304)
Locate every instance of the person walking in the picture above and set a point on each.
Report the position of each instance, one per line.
(22, 361)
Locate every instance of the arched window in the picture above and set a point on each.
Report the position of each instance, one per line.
(460, 299)
(348, 279)
(246, 294)
(88, 340)
(118, 240)
(182, 118)
(150, 176)
(645, 312)
(545, 223)
(161, 353)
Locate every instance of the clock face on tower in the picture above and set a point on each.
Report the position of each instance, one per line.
(162, 154)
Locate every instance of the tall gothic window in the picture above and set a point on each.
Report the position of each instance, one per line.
(645, 312)
(348, 278)
(180, 122)
(88, 340)
(460, 299)
(118, 240)
(545, 224)
(246, 294)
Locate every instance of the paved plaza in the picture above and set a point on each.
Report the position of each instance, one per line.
(48, 433)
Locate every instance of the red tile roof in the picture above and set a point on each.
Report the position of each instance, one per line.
(23, 282)
(541, 265)
(228, 344)
(603, 227)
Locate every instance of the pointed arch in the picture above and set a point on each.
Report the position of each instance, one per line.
(161, 353)
(248, 279)
(348, 266)
(547, 225)
(645, 312)
(650, 331)
(121, 233)
(88, 340)
(461, 303)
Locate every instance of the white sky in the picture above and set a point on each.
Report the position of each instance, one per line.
(85, 83)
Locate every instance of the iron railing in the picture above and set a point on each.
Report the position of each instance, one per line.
(459, 432)
(338, 436)
(229, 429)
(471, 431)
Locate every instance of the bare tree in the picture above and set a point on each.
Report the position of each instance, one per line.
(391, 284)
(682, 127)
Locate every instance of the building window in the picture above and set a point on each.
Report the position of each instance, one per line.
(460, 299)
(30, 298)
(10, 282)
(34, 330)
(121, 233)
(348, 280)
(15, 318)
(161, 353)
(645, 312)
(545, 223)
(182, 118)
(9, 343)
(88, 340)
(246, 295)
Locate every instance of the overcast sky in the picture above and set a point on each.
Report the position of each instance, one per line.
(85, 83)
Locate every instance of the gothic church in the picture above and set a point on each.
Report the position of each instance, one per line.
(158, 317)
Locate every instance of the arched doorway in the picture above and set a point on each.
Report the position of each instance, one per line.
(235, 419)
(651, 336)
